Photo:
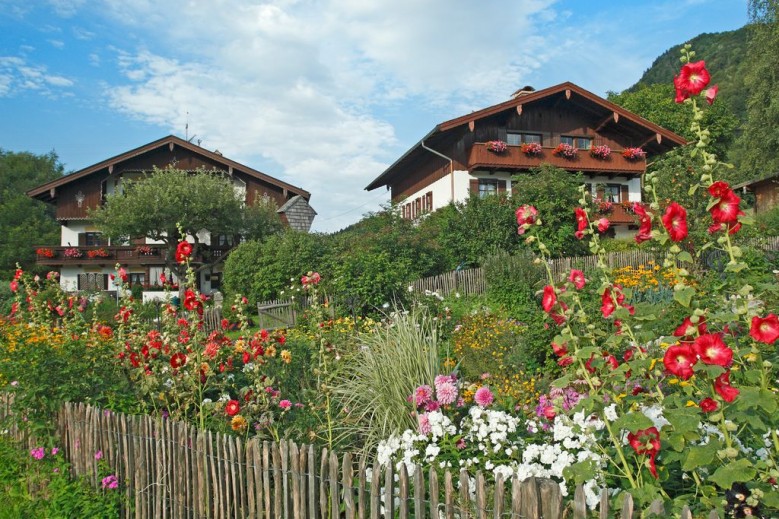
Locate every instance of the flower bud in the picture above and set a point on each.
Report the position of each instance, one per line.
(730, 426)
(767, 364)
(731, 452)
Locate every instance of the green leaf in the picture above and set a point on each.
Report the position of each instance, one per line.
(771, 499)
(633, 422)
(698, 456)
(737, 471)
(684, 256)
(735, 267)
(682, 420)
(562, 382)
(684, 296)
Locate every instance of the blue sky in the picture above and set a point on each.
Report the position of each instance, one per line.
(323, 94)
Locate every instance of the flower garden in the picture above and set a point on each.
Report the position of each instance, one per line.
(657, 381)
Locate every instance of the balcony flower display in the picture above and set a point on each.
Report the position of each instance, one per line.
(600, 152)
(144, 250)
(72, 252)
(633, 153)
(98, 253)
(565, 150)
(497, 146)
(45, 252)
(531, 149)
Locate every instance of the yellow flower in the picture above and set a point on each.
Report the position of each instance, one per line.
(238, 423)
(286, 356)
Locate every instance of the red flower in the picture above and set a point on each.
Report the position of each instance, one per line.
(191, 301)
(645, 223)
(675, 221)
(549, 299)
(711, 94)
(679, 361)
(646, 441)
(719, 188)
(724, 389)
(708, 405)
(712, 350)
(14, 286)
(558, 315)
(183, 250)
(689, 329)
(560, 349)
(581, 219)
(18, 274)
(178, 360)
(577, 278)
(122, 274)
(565, 361)
(607, 301)
(765, 329)
(526, 216)
(603, 224)
(727, 209)
(691, 81)
(232, 408)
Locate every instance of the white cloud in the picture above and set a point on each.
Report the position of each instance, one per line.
(17, 75)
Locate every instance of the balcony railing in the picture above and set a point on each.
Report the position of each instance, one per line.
(110, 255)
(513, 158)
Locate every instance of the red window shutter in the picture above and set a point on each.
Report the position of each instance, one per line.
(82, 239)
(624, 194)
(429, 198)
(474, 186)
(600, 193)
(501, 186)
(418, 203)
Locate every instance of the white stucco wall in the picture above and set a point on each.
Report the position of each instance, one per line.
(634, 185)
(442, 188)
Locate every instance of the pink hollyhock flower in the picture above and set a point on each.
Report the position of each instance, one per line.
(679, 361)
(526, 216)
(675, 221)
(646, 441)
(577, 278)
(565, 361)
(708, 405)
(724, 389)
(422, 395)
(712, 350)
(645, 223)
(692, 79)
(711, 94)
(765, 329)
(183, 251)
(727, 209)
(446, 393)
(483, 396)
(603, 225)
(560, 349)
(285, 404)
(424, 424)
(549, 298)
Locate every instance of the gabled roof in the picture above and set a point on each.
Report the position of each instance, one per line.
(568, 89)
(295, 200)
(42, 191)
(752, 182)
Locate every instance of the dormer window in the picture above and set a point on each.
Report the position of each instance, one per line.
(518, 138)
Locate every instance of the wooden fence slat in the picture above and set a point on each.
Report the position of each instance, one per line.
(347, 485)
(604, 504)
(500, 495)
(580, 503)
(284, 454)
(361, 476)
(278, 505)
(448, 495)
(294, 458)
(530, 504)
(375, 490)
(465, 494)
(323, 503)
(516, 498)
(335, 502)
(389, 496)
(550, 498)
(627, 507)
(266, 478)
(419, 493)
(403, 492)
(312, 487)
(481, 496)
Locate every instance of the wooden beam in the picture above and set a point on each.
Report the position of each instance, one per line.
(519, 109)
(110, 168)
(471, 125)
(170, 146)
(567, 93)
(230, 170)
(647, 141)
(612, 117)
(52, 192)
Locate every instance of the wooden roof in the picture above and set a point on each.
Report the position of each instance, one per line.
(666, 139)
(42, 192)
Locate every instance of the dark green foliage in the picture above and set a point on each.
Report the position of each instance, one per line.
(555, 193)
(25, 222)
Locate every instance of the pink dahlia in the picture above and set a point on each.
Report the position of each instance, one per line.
(446, 393)
(483, 396)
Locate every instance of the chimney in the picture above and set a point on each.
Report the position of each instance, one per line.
(525, 90)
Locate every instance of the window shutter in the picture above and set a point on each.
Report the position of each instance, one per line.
(105, 282)
(624, 195)
(418, 203)
(82, 239)
(474, 186)
(429, 197)
(600, 193)
(501, 186)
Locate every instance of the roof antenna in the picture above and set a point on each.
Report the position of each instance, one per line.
(186, 129)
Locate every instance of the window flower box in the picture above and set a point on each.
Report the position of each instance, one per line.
(144, 250)
(566, 151)
(497, 146)
(72, 252)
(633, 153)
(98, 253)
(601, 152)
(531, 149)
(45, 252)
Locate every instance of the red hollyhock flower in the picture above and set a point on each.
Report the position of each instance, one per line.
(645, 223)
(577, 278)
(727, 209)
(191, 301)
(581, 222)
(675, 221)
(232, 408)
(178, 360)
(183, 250)
(558, 313)
(560, 349)
(603, 225)
(689, 329)
(679, 360)
(646, 441)
(719, 188)
(711, 94)
(549, 299)
(692, 79)
(14, 286)
(709, 405)
(18, 274)
(712, 350)
(526, 216)
(607, 301)
(765, 329)
(724, 389)
(565, 361)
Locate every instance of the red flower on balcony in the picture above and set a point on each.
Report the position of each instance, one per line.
(633, 153)
(600, 152)
(45, 252)
(565, 150)
(72, 252)
(98, 253)
(497, 146)
(532, 149)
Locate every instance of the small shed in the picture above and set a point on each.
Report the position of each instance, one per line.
(297, 213)
(766, 192)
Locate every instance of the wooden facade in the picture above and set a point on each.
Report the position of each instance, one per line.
(766, 192)
(549, 117)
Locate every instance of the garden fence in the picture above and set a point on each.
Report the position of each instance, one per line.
(171, 470)
(284, 313)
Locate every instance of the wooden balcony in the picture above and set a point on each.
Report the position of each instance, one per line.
(480, 157)
(110, 255)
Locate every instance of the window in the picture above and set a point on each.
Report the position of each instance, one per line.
(515, 139)
(92, 282)
(583, 143)
(224, 240)
(487, 186)
(154, 275)
(612, 192)
(216, 281)
(136, 279)
(90, 239)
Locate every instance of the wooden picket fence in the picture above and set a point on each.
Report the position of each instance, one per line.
(284, 313)
(171, 470)
(464, 282)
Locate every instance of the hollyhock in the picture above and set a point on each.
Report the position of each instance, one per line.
(689, 329)
(711, 94)
(719, 188)
(724, 389)
(603, 225)
(560, 349)
(712, 350)
(607, 302)
(526, 216)
(183, 250)
(14, 286)
(549, 298)
(675, 221)
(18, 274)
(483, 396)
(233, 407)
(122, 274)
(577, 278)
(178, 360)
(726, 210)
(558, 313)
(730, 227)
(581, 222)
(645, 223)
(765, 329)
(692, 79)
(191, 301)
(565, 361)
(679, 360)
(708, 405)
(646, 441)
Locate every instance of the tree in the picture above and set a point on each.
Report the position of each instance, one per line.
(25, 222)
(155, 206)
(759, 141)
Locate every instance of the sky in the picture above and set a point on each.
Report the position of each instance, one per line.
(323, 94)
